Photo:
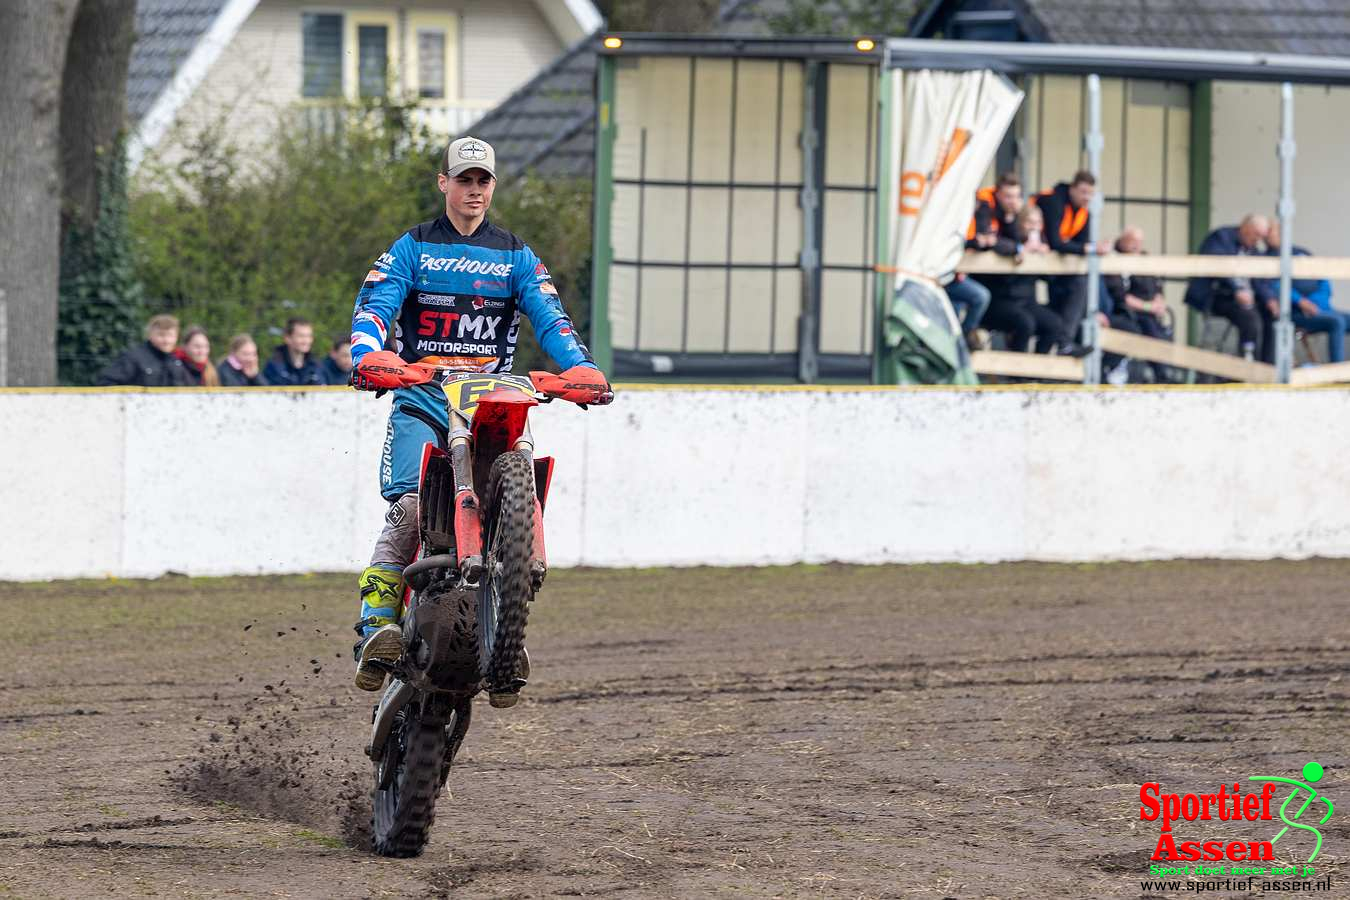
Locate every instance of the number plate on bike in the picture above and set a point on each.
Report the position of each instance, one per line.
(464, 391)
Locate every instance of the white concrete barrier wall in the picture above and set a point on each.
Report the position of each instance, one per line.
(240, 482)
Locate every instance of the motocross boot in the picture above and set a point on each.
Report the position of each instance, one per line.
(381, 641)
(507, 698)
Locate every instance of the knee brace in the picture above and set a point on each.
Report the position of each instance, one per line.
(397, 543)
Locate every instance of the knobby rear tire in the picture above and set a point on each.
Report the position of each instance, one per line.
(402, 813)
(509, 539)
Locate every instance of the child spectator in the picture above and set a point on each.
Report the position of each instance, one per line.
(152, 363)
(196, 356)
(240, 368)
(1014, 309)
(337, 365)
(291, 363)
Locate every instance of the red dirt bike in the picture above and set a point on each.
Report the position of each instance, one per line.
(481, 537)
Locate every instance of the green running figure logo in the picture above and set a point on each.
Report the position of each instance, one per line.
(1313, 772)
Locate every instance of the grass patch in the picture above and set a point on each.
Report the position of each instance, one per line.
(323, 840)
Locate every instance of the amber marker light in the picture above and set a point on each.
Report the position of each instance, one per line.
(613, 43)
(866, 45)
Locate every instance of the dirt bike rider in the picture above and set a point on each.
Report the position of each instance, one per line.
(455, 286)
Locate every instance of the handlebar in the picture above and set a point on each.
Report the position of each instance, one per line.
(547, 386)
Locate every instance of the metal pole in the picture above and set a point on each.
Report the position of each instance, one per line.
(1092, 142)
(813, 180)
(602, 343)
(885, 206)
(1286, 149)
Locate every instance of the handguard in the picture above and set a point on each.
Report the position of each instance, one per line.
(385, 370)
(579, 384)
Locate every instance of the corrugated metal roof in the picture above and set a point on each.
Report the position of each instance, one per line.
(166, 32)
(1312, 27)
(1308, 27)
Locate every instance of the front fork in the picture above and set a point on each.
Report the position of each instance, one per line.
(468, 519)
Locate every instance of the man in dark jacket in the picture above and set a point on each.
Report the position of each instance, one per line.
(152, 363)
(1140, 297)
(291, 363)
(336, 367)
(1233, 298)
(1065, 209)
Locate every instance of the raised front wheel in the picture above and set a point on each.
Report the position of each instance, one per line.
(504, 598)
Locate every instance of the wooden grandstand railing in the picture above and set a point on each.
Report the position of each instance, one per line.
(989, 263)
(1027, 365)
(1180, 356)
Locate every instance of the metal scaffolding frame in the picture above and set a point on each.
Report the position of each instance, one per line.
(1007, 58)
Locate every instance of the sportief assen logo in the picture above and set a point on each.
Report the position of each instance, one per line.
(1296, 814)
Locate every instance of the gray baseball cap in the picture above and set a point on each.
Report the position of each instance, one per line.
(469, 153)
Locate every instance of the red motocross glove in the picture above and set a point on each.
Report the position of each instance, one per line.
(381, 370)
(579, 384)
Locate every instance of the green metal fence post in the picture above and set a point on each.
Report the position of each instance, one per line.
(602, 252)
(885, 203)
(1202, 128)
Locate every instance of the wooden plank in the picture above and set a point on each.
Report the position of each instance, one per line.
(1027, 365)
(1330, 267)
(1182, 357)
(1332, 373)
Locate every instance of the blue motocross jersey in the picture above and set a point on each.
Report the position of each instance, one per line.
(436, 292)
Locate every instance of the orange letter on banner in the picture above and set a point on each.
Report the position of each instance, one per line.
(911, 188)
(960, 138)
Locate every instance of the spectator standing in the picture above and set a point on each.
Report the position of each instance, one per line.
(152, 363)
(240, 367)
(196, 356)
(1309, 303)
(337, 365)
(1233, 298)
(291, 363)
(1065, 210)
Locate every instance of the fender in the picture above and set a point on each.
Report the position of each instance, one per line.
(543, 477)
(500, 418)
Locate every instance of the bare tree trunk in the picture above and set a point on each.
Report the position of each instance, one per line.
(33, 39)
(93, 99)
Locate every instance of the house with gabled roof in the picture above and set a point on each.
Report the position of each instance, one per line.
(243, 64)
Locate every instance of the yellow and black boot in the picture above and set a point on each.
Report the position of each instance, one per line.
(381, 641)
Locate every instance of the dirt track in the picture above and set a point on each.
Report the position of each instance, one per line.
(834, 731)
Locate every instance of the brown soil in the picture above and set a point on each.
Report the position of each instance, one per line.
(935, 731)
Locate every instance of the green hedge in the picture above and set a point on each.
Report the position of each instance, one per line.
(100, 307)
(237, 242)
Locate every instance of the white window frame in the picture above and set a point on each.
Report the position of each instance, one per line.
(449, 24)
(353, 19)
